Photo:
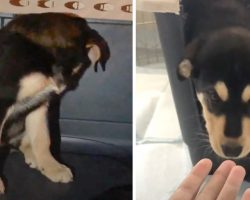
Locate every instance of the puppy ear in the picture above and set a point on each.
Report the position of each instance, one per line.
(99, 51)
(94, 53)
(185, 69)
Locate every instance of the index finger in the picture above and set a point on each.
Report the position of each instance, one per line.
(191, 184)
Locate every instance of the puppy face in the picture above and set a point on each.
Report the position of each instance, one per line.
(227, 119)
(219, 68)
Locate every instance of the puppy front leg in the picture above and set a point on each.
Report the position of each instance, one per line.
(37, 129)
(26, 149)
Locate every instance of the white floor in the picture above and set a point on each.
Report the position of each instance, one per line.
(159, 170)
(162, 159)
(154, 105)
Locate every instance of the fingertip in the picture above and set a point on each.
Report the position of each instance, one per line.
(204, 165)
(205, 161)
(240, 169)
(202, 168)
(247, 191)
(230, 162)
(246, 194)
(226, 165)
(236, 175)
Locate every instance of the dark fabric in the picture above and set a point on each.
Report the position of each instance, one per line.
(117, 193)
(94, 177)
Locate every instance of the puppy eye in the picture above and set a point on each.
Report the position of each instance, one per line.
(213, 96)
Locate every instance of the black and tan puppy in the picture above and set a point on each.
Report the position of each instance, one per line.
(42, 55)
(217, 60)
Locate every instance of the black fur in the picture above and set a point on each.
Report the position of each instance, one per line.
(53, 44)
(68, 28)
(19, 57)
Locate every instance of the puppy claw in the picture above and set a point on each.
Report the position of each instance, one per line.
(32, 165)
(58, 174)
(30, 160)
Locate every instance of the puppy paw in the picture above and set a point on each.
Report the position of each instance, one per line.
(58, 173)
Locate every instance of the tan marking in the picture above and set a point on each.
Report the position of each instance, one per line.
(245, 139)
(37, 130)
(31, 84)
(245, 96)
(76, 69)
(34, 83)
(185, 68)
(215, 126)
(222, 91)
(94, 53)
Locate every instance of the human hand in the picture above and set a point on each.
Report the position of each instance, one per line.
(224, 184)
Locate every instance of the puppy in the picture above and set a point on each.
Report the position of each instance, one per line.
(42, 55)
(217, 61)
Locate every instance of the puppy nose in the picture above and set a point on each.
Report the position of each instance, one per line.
(231, 150)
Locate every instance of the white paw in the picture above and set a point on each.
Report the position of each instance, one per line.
(58, 173)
